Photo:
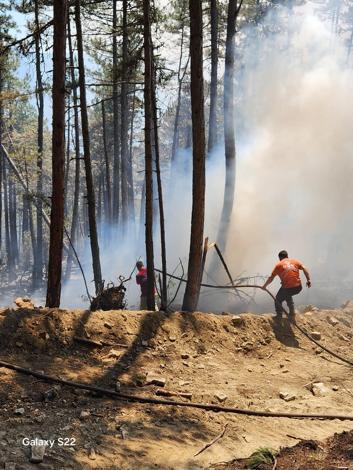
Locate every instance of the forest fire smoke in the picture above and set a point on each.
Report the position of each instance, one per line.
(294, 165)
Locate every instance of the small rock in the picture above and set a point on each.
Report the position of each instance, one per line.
(335, 388)
(19, 411)
(85, 414)
(19, 344)
(286, 396)
(237, 321)
(345, 322)
(332, 321)
(92, 454)
(123, 431)
(344, 338)
(37, 453)
(316, 335)
(24, 302)
(185, 356)
(201, 366)
(117, 386)
(144, 343)
(114, 353)
(172, 338)
(319, 389)
(109, 326)
(153, 379)
(250, 369)
(285, 371)
(183, 383)
(186, 364)
(50, 394)
(220, 396)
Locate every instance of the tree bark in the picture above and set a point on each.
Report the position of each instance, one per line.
(97, 274)
(1, 138)
(164, 293)
(212, 125)
(116, 139)
(58, 156)
(131, 191)
(75, 209)
(192, 290)
(38, 265)
(177, 111)
(107, 167)
(124, 124)
(13, 220)
(148, 155)
(229, 126)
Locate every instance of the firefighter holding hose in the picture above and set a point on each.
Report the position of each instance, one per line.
(288, 270)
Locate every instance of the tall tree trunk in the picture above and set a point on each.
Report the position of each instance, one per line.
(68, 156)
(75, 209)
(30, 215)
(177, 111)
(192, 290)
(229, 126)
(124, 123)
(148, 155)
(38, 265)
(212, 126)
(8, 245)
(130, 172)
(99, 184)
(58, 156)
(107, 167)
(164, 293)
(13, 220)
(97, 274)
(1, 142)
(116, 140)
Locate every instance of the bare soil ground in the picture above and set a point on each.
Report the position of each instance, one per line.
(248, 361)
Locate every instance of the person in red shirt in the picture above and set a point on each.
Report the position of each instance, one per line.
(288, 271)
(141, 280)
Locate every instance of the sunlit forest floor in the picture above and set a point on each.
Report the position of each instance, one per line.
(244, 362)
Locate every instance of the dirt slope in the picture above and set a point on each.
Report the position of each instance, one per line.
(250, 361)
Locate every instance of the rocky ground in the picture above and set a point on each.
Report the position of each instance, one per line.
(249, 362)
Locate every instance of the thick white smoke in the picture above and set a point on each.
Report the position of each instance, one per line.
(295, 153)
(294, 102)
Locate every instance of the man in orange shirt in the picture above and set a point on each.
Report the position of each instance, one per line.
(288, 271)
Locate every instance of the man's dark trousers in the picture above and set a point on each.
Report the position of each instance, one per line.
(287, 295)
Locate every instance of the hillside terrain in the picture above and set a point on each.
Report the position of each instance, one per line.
(249, 362)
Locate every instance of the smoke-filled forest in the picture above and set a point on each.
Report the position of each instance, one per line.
(133, 130)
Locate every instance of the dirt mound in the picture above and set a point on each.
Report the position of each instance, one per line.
(246, 361)
(334, 453)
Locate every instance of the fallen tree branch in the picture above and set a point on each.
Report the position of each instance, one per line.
(217, 438)
(154, 401)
